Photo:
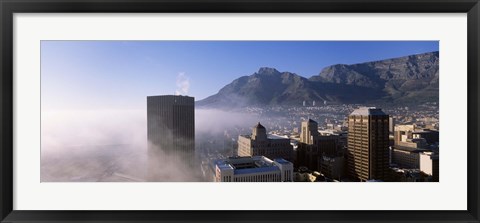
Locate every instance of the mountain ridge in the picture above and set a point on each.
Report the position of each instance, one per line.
(413, 77)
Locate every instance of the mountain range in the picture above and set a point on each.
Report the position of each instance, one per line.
(408, 79)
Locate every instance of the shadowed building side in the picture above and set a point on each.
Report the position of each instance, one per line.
(171, 135)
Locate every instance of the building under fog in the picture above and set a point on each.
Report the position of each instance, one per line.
(261, 144)
(253, 169)
(368, 144)
(170, 133)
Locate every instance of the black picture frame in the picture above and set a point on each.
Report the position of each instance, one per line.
(9, 7)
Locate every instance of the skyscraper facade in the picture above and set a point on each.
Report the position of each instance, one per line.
(368, 144)
(307, 154)
(170, 133)
(309, 132)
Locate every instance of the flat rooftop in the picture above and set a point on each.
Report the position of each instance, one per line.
(269, 136)
(256, 170)
(281, 161)
(368, 111)
(247, 165)
(276, 137)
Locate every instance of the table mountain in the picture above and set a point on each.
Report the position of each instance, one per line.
(406, 79)
(413, 77)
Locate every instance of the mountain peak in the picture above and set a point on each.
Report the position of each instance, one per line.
(268, 71)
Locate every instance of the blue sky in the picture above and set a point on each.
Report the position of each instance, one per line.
(120, 74)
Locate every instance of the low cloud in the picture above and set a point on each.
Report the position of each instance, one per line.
(111, 145)
(215, 121)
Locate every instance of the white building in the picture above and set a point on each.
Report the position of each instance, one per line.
(428, 160)
(405, 157)
(253, 169)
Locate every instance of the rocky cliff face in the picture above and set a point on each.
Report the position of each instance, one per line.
(406, 79)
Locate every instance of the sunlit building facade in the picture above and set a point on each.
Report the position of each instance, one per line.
(261, 144)
(368, 144)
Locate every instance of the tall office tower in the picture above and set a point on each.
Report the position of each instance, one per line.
(171, 136)
(307, 153)
(368, 153)
(309, 132)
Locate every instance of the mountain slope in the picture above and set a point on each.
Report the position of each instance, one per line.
(404, 79)
(413, 77)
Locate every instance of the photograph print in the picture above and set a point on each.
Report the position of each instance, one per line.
(239, 111)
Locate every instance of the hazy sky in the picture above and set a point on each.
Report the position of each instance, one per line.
(120, 74)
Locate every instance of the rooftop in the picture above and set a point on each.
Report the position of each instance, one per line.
(269, 136)
(424, 131)
(368, 111)
(409, 149)
(276, 137)
(281, 161)
(259, 126)
(222, 165)
(256, 170)
(169, 96)
(245, 165)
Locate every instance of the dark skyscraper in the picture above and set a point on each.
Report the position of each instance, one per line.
(368, 144)
(171, 135)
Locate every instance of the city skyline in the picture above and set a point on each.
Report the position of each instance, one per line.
(139, 104)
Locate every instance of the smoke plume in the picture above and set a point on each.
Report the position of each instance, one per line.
(183, 84)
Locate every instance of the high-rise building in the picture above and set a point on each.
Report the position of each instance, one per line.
(307, 154)
(261, 144)
(368, 144)
(313, 146)
(309, 132)
(170, 133)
